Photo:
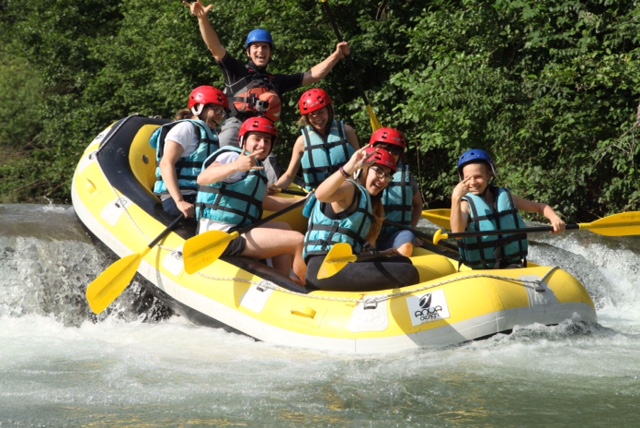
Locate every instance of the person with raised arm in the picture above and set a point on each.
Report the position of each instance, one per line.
(349, 210)
(251, 89)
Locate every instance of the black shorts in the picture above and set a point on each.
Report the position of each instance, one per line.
(387, 272)
(235, 247)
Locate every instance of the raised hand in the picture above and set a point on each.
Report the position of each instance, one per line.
(197, 8)
(461, 189)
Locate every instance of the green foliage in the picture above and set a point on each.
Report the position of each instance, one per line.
(549, 88)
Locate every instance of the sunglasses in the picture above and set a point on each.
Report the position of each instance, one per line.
(381, 174)
(218, 110)
(394, 150)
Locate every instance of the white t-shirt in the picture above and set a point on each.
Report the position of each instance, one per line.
(205, 225)
(187, 135)
(227, 158)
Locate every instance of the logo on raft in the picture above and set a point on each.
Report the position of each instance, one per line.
(428, 308)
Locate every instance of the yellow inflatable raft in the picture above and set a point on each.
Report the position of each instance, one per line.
(112, 196)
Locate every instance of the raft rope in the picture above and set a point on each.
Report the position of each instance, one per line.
(372, 302)
(124, 202)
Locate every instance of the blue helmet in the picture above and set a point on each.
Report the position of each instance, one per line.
(476, 156)
(259, 36)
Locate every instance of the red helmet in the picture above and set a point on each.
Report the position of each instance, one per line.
(382, 157)
(258, 124)
(388, 136)
(313, 100)
(203, 95)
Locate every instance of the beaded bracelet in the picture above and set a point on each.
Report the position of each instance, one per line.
(344, 173)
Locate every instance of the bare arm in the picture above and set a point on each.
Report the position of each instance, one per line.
(172, 153)
(416, 209)
(320, 71)
(335, 189)
(540, 208)
(294, 164)
(209, 35)
(352, 138)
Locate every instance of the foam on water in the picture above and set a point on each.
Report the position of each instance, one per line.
(62, 366)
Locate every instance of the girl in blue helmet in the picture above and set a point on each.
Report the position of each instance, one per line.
(252, 91)
(477, 205)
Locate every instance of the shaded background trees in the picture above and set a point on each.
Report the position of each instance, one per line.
(549, 88)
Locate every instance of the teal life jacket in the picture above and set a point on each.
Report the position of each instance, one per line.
(324, 231)
(238, 203)
(321, 157)
(495, 251)
(187, 168)
(397, 199)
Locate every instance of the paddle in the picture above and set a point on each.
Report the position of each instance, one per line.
(623, 224)
(440, 217)
(202, 250)
(375, 123)
(419, 234)
(294, 192)
(341, 255)
(106, 288)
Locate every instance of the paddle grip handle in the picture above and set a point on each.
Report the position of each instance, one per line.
(165, 232)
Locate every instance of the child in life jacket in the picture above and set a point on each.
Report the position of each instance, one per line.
(325, 145)
(233, 194)
(183, 145)
(401, 199)
(476, 205)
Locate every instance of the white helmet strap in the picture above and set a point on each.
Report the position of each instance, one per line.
(197, 109)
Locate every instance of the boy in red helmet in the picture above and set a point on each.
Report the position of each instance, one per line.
(402, 199)
(233, 194)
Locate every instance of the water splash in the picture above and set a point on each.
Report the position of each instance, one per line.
(46, 262)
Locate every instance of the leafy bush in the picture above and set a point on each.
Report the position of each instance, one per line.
(548, 88)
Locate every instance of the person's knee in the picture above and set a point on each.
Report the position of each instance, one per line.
(406, 249)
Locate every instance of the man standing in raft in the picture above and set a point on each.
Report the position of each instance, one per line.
(251, 90)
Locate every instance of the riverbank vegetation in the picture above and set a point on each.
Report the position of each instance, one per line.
(549, 88)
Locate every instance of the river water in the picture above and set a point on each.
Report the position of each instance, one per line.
(140, 367)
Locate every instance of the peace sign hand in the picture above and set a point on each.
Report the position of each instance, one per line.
(246, 163)
(461, 189)
(359, 160)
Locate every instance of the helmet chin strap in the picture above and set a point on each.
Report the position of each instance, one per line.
(197, 109)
